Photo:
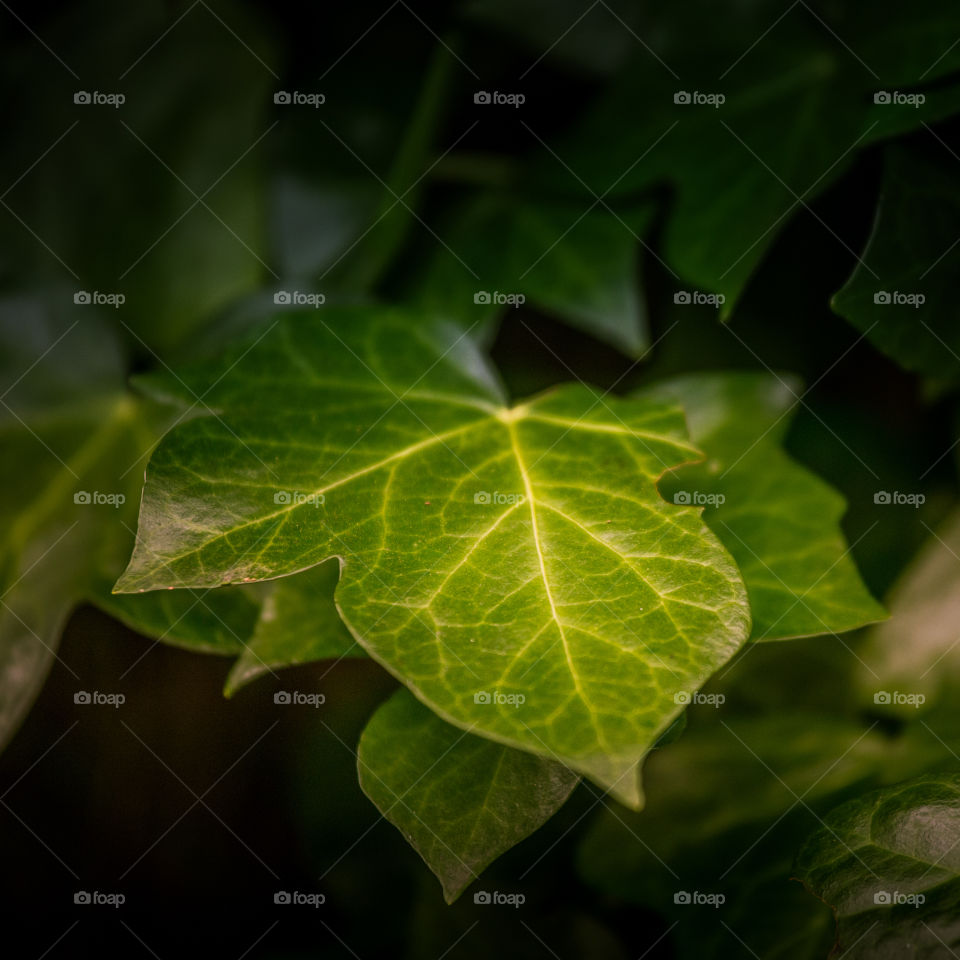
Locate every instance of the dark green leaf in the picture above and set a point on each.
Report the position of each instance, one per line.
(904, 292)
(460, 800)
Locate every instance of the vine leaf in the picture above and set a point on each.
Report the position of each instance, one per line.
(889, 865)
(916, 652)
(780, 522)
(69, 493)
(459, 800)
(265, 626)
(580, 265)
(515, 567)
(903, 292)
(203, 621)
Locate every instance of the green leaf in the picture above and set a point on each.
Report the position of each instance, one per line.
(487, 550)
(393, 218)
(912, 254)
(205, 621)
(780, 522)
(889, 865)
(570, 259)
(459, 800)
(70, 432)
(915, 653)
(298, 623)
(266, 626)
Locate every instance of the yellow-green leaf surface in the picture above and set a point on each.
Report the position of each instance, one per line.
(514, 566)
(459, 800)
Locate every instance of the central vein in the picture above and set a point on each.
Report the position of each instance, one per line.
(528, 492)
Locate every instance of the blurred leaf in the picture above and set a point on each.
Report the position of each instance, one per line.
(917, 651)
(888, 864)
(68, 480)
(394, 216)
(349, 179)
(780, 522)
(458, 591)
(903, 293)
(572, 260)
(458, 799)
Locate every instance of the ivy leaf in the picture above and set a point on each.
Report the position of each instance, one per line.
(915, 653)
(204, 621)
(904, 291)
(780, 522)
(490, 553)
(576, 262)
(888, 864)
(71, 436)
(459, 800)
(266, 626)
(298, 623)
